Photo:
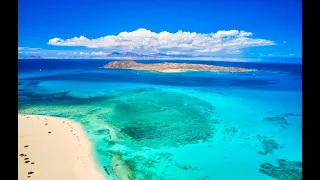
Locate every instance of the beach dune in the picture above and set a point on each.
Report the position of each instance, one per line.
(52, 148)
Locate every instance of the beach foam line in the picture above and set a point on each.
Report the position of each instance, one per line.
(54, 148)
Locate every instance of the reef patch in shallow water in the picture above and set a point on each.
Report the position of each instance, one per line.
(101, 132)
(268, 145)
(286, 170)
(155, 118)
(280, 119)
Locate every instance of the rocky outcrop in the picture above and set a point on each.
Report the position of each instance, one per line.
(125, 64)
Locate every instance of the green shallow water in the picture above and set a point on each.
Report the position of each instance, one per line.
(147, 119)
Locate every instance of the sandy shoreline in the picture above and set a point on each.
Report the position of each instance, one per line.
(54, 148)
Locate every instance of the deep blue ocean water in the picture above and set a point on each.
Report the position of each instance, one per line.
(191, 125)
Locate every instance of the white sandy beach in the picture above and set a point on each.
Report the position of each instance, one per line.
(52, 148)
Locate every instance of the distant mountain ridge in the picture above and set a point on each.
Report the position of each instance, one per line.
(34, 57)
(120, 55)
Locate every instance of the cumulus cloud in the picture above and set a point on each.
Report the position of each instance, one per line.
(142, 39)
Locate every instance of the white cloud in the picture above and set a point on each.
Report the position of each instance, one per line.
(34, 49)
(75, 53)
(29, 52)
(291, 54)
(61, 53)
(28, 48)
(173, 53)
(191, 42)
(100, 53)
(83, 53)
(235, 51)
(54, 40)
(270, 55)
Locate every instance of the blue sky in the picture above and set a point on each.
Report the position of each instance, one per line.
(226, 28)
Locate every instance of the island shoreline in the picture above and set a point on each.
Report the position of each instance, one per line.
(172, 67)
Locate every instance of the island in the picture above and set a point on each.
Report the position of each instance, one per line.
(171, 67)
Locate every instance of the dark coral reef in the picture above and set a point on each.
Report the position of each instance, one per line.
(286, 170)
(268, 145)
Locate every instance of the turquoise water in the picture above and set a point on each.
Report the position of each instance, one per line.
(192, 125)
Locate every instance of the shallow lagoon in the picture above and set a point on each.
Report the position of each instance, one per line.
(193, 125)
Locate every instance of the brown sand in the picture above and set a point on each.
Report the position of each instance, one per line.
(52, 148)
